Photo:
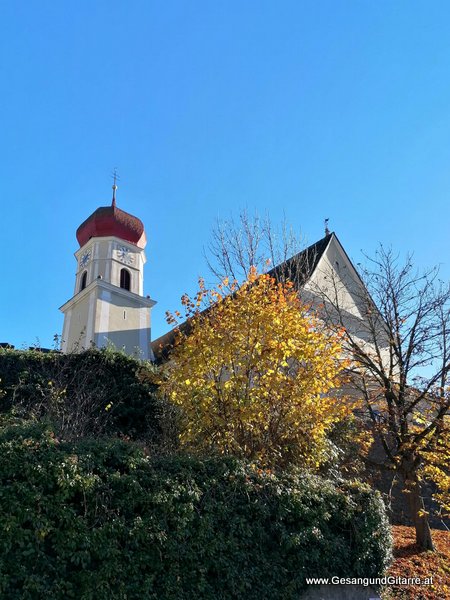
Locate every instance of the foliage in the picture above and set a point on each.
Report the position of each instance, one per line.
(346, 440)
(254, 374)
(436, 466)
(97, 519)
(90, 393)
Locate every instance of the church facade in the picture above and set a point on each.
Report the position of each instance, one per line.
(108, 307)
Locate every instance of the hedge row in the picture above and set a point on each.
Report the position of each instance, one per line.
(100, 520)
(95, 392)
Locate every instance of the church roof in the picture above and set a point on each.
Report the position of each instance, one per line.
(112, 221)
(297, 269)
(301, 266)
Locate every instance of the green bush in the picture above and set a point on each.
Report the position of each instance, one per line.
(97, 519)
(90, 393)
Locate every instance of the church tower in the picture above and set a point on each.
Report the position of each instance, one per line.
(108, 306)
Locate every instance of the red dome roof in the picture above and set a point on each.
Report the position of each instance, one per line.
(110, 220)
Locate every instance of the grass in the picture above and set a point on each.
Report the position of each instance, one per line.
(410, 562)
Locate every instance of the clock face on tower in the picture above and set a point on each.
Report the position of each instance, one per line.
(124, 255)
(85, 259)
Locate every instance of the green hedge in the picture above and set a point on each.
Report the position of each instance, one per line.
(90, 393)
(100, 520)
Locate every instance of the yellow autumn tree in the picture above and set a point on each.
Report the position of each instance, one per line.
(255, 374)
(435, 456)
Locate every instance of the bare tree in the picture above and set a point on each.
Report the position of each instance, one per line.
(236, 245)
(399, 338)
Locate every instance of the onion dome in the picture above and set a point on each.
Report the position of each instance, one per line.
(110, 220)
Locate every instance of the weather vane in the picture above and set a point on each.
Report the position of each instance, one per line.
(115, 177)
(327, 231)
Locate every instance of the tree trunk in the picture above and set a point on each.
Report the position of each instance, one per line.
(419, 517)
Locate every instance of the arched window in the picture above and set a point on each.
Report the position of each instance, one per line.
(125, 279)
(83, 281)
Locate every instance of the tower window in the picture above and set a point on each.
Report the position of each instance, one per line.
(125, 279)
(83, 281)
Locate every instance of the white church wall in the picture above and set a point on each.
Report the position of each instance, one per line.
(336, 291)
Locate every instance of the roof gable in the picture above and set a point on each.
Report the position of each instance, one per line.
(300, 267)
(335, 269)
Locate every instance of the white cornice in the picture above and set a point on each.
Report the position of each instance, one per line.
(102, 284)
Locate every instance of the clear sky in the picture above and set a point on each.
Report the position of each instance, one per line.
(317, 109)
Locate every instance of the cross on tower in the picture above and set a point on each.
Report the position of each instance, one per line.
(115, 177)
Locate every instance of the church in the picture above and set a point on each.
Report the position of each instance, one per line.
(108, 308)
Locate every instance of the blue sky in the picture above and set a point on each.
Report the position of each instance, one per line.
(318, 109)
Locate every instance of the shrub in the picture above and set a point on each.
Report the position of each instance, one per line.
(90, 393)
(97, 519)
